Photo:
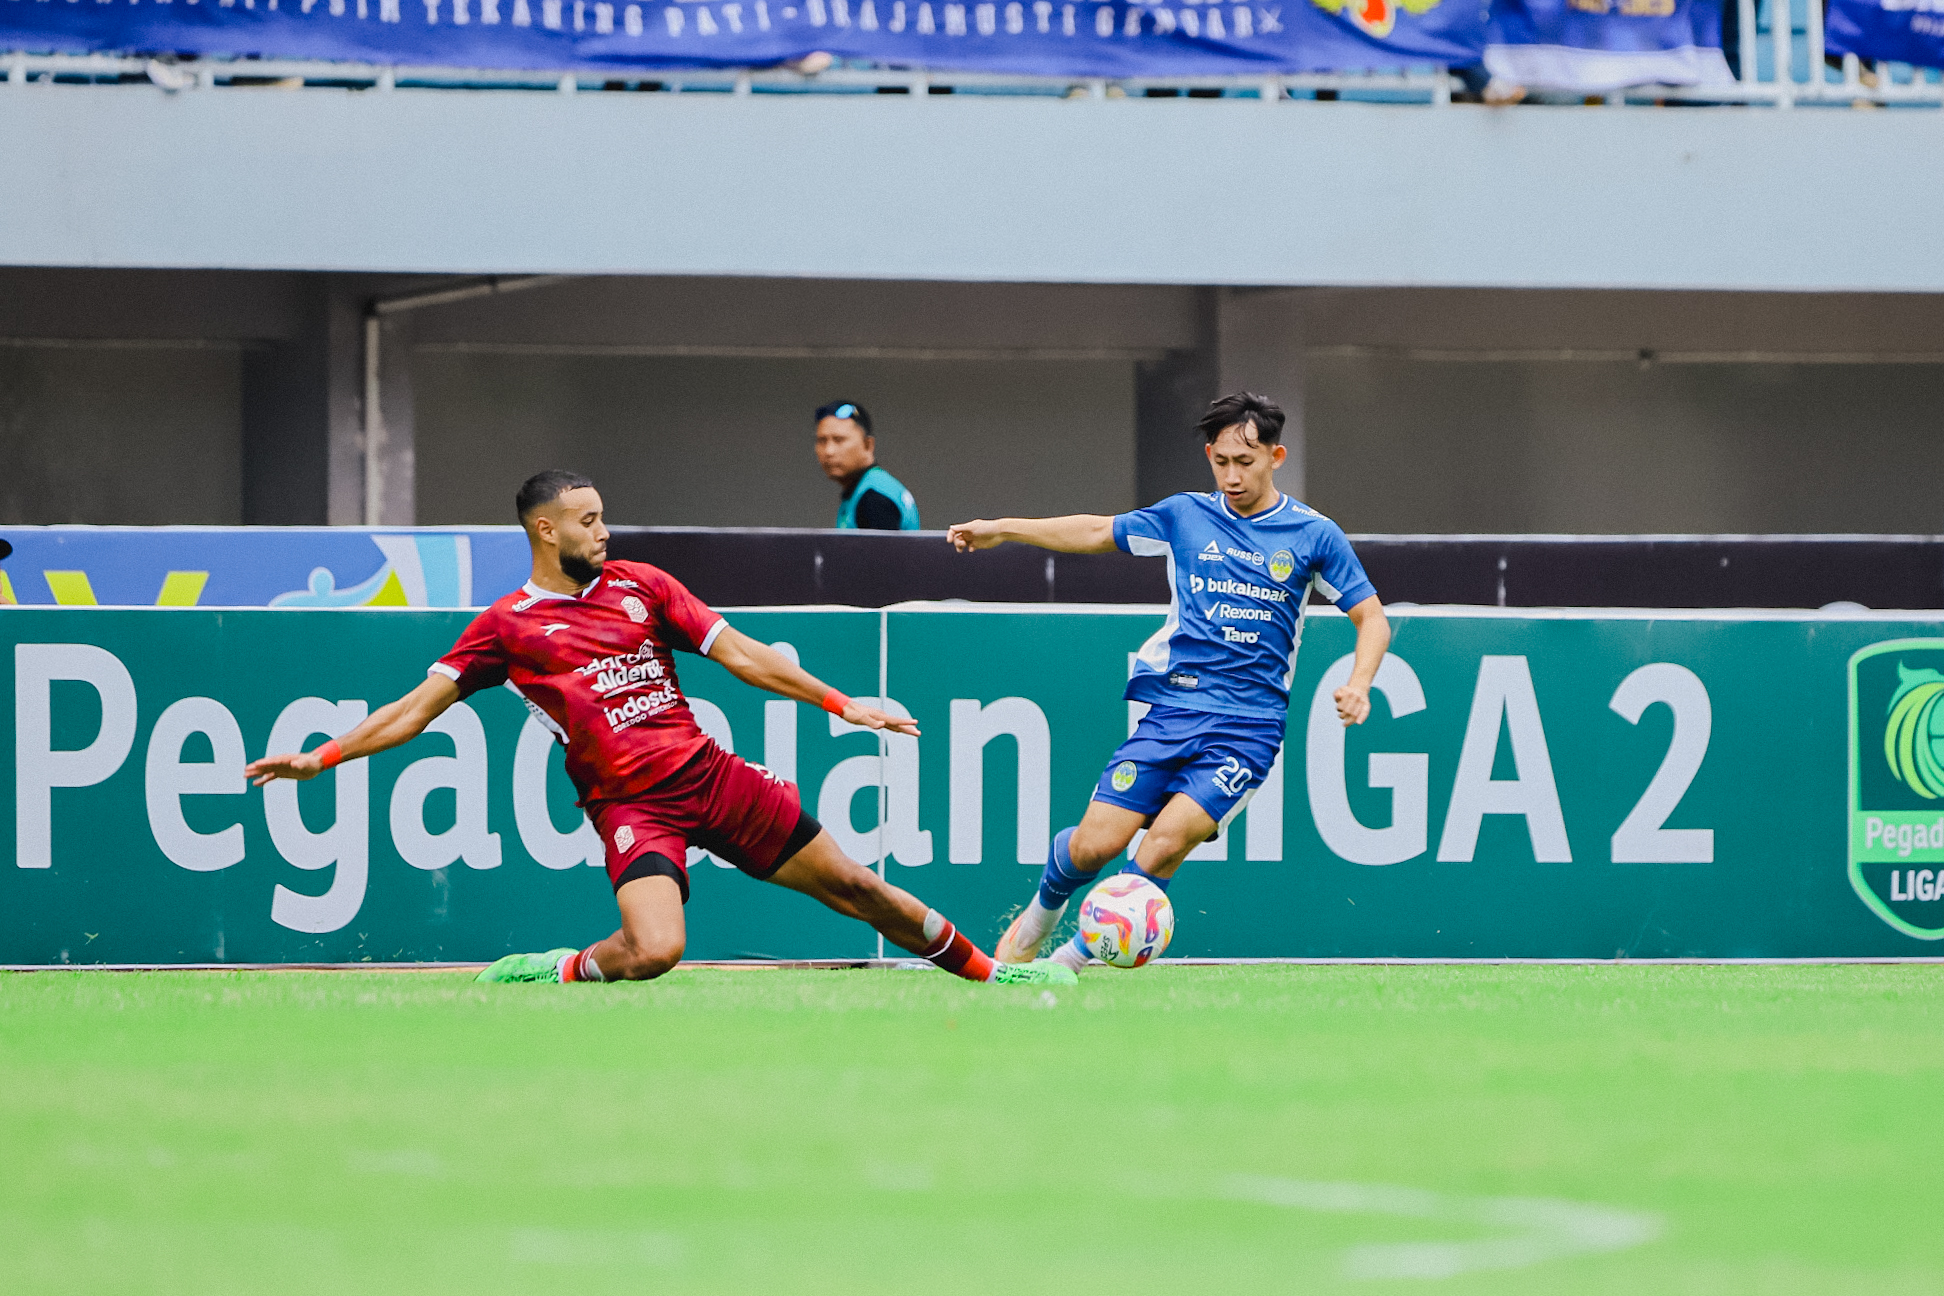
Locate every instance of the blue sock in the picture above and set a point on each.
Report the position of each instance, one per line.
(1136, 869)
(1060, 879)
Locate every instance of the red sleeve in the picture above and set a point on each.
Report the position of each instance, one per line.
(687, 622)
(477, 661)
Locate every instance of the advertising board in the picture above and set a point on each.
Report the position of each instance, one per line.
(1593, 784)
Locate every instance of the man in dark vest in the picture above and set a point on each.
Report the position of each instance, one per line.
(873, 499)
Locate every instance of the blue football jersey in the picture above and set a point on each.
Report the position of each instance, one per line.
(1238, 587)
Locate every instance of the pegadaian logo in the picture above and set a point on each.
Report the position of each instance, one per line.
(1896, 783)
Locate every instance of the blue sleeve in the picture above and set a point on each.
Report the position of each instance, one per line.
(1338, 574)
(1156, 522)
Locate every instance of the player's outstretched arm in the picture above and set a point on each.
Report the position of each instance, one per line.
(1079, 533)
(387, 727)
(1373, 641)
(761, 665)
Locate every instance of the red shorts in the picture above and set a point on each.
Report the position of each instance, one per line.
(741, 812)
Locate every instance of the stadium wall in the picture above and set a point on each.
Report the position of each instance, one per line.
(223, 396)
(976, 188)
(1601, 784)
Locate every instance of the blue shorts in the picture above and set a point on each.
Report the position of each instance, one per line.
(1218, 760)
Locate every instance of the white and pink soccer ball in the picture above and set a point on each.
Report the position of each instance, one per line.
(1125, 921)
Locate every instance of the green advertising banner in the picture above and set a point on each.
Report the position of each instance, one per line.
(1593, 784)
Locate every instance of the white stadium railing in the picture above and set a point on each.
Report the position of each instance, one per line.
(1797, 48)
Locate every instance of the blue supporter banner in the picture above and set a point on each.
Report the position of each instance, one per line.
(1161, 38)
(297, 567)
(1596, 45)
(1900, 31)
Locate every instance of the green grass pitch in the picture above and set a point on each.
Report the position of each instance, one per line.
(1611, 1129)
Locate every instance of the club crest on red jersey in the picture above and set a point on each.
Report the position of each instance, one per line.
(637, 610)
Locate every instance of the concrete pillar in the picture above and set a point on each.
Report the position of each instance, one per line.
(390, 468)
(1259, 348)
(1170, 395)
(302, 447)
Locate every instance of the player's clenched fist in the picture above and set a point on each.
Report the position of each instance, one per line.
(967, 536)
(1352, 704)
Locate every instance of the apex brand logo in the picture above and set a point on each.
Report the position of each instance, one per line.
(549, 629)
(1896, 783)
(1210, 554)
(1245, 556)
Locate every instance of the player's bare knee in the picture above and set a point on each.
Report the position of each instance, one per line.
(644, 960)
(1168, 845)
(1091, 851)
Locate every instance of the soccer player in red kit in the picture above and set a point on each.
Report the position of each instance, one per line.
(589, 645)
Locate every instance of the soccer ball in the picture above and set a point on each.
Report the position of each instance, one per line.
(1126, 921)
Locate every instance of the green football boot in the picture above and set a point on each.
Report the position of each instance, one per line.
(526, 967)
(1038, 972)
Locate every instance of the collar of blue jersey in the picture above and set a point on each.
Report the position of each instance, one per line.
(1282, 502)
(537, 592)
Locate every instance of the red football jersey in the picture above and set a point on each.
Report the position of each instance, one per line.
(597, 668)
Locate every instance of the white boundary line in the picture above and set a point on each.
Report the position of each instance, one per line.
(781, 965)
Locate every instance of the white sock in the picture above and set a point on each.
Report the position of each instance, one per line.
(1038, 920)
(1071, 955)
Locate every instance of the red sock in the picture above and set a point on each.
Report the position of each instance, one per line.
(581, 967)
(959, 956)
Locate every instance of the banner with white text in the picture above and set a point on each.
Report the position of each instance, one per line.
(1031, 37)
(1532, 785)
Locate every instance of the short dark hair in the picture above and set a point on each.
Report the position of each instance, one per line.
(845, 410)
(1261, 413)
(546, 487)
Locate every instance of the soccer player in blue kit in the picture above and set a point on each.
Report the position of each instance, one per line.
(1242, 561)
